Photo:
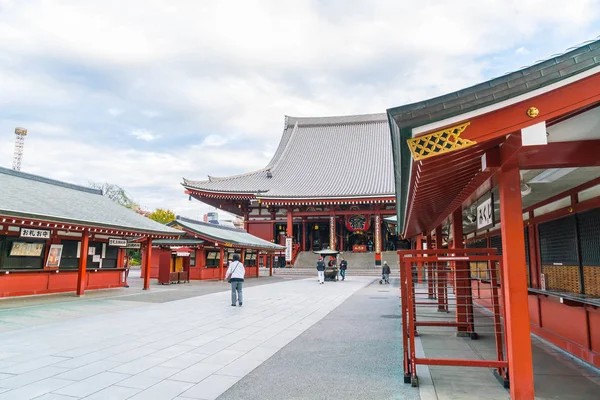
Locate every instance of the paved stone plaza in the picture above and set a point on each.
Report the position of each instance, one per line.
(190, 348)
(293, 339)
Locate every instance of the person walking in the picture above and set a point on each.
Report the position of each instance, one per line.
(235, 275)
(321, 270)
(385, 272)
(343, 266)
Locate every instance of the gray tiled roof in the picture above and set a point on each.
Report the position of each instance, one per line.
(224, 234)
(32, 196)
(320, 157)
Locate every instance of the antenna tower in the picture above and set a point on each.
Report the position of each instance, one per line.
(20, 134)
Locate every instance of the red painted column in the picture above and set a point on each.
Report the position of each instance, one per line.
(430, 280)
(514, 284)
(461, 275)
(290, 223)
(419, 245)
(534, 266)
(271, 261)
(83, 253)
(441, 273)
(378, 238)
(221, 261)
(147, 264)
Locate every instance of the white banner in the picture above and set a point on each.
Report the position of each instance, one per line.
(117, 242)
(133, 246)
(485, 214)
(35, 233)
(377, 234)
(288, 249)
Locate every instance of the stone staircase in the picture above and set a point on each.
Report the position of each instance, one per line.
(359, 264)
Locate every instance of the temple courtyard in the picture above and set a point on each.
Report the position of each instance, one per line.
(293, 339)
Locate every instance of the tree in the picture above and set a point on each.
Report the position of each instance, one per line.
(163, 216)
(117, 194)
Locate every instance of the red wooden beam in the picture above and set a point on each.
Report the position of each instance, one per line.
(583, 153)
(551, 105)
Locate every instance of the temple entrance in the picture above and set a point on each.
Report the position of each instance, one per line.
(317, 235)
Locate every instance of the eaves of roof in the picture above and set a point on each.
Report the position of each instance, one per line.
(403, 119)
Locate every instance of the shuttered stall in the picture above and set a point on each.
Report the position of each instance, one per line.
(589, 239)
(559, 255)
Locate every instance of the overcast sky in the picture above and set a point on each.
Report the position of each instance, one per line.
(144, 92)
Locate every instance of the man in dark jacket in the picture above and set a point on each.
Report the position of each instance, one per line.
(321, 270)
(343, 266)
(385, 272)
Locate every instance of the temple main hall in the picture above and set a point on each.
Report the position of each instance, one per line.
(329, 185)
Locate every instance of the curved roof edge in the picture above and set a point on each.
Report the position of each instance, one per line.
(290, 127)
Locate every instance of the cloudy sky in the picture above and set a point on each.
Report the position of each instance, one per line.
(144, 92)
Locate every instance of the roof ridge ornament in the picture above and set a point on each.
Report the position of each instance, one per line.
(440, 142)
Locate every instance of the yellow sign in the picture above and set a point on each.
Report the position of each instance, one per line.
(227, 244)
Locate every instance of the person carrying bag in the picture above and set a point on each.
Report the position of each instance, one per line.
(235, 276)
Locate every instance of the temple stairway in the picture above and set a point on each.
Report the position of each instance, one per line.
(362, 264)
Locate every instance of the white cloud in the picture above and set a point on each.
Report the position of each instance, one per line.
(115, 112)
(210, 77)
(144, 134)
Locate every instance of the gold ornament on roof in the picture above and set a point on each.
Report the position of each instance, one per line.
(440, 142)
(533, 112)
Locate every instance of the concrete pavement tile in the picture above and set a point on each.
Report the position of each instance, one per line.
(114, 393)
(4, 376)
(130, 355)
(86, 371)
(83, 360)
(262, 353)
(140, 382)
(173, 351)
(278, 342)
(211, 388)
(53, 396)
(35, 389)
(196, 372)
(224, 357)
(139, 365)
(245, 345)
(21, 368)
(164, 390)
(16, 381)
(211, 348)
(184, 361)
(241, 367)
(92, 384)
(160, 372)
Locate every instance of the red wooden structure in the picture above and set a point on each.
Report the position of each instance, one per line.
(65, 237)
(523, 150)
(453, 296)
(333, 200)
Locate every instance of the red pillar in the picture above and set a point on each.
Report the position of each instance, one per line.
(441, 274)
(271, 261)
(419, 245)
(430, 280)
(221, 261)
(83, 253)
(290, 223)
(147, 264)
(378, 240)
(461, 274)
(514, 284)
